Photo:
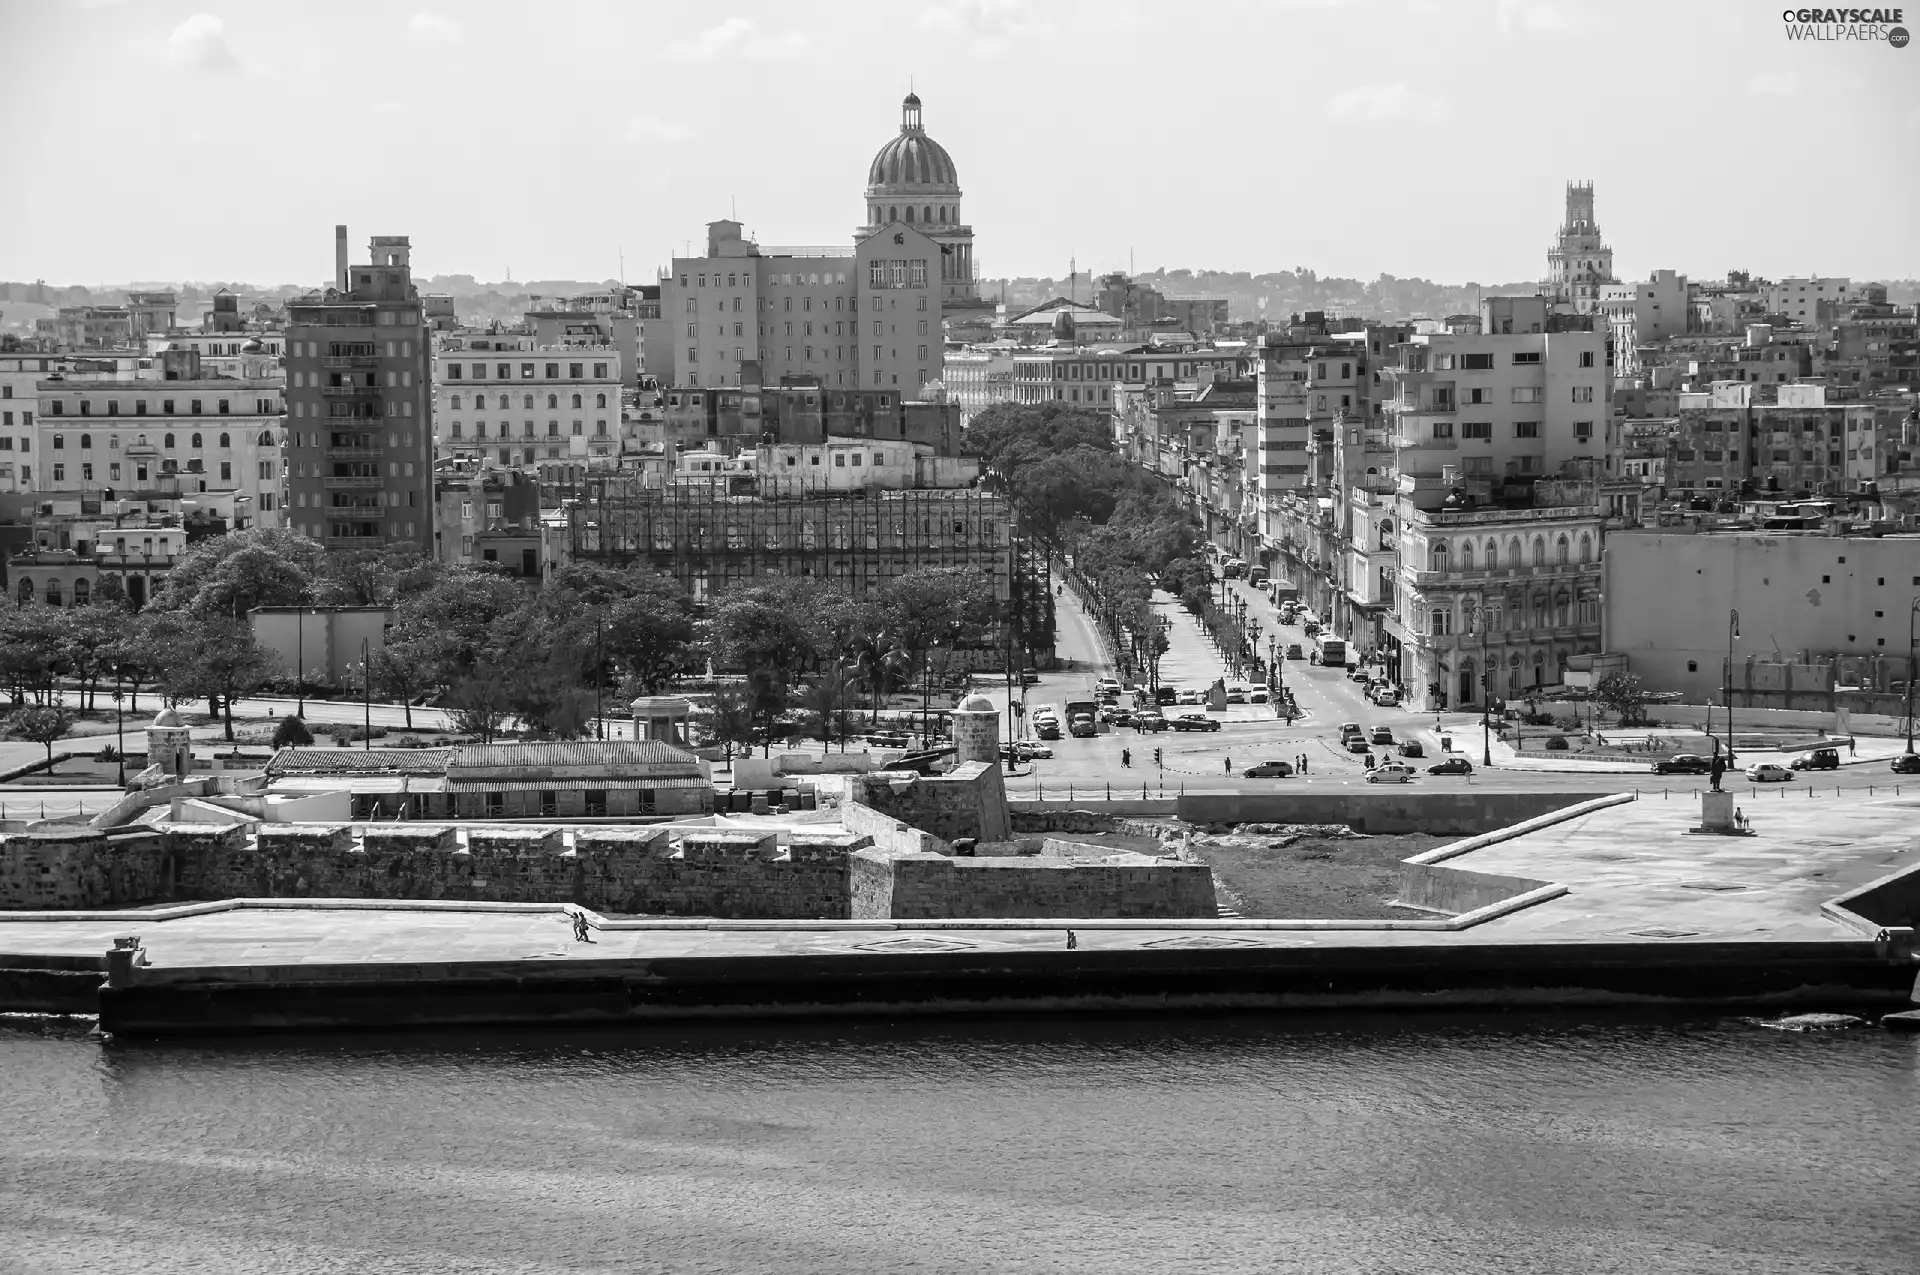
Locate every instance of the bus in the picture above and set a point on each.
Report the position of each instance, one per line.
(1331, 650)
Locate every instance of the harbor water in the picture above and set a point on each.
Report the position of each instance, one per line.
(1571, 1143)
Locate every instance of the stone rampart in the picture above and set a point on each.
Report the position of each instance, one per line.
(909, 885)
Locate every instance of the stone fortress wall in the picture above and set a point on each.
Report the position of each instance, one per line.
(833, 874)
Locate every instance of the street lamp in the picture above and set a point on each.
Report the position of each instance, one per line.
(366, 681)
(1913, 612)
(300, 658)
(120, 733)
(1486, 714)
(1733, 631)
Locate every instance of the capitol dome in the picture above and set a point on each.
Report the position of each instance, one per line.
(912, 165)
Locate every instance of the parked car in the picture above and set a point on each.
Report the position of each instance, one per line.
(1166, 695)
(1294, 652)
(1358, 744)
(1190, 697)
(1106, 685)
(1392, 773)
(1121, 716)
(1683, 764)
(1818, 759)
(1412, 748)
(1349, 728)
(1382, 735)
(1268, 770)
(1768, 773)
(1258, 695)
(1452, 766)
(1193, 721)
(1384, 697)
(1907, 764)
(1150, 721)
(1030, 750)
(1357, 676)
(1236, 693)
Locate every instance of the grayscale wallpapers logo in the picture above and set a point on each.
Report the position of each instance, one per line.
(1828, 25)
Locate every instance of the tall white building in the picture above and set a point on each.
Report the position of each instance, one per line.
(505, 401)
(1579, 264)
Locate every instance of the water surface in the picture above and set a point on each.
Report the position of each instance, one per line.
(1339, 1144)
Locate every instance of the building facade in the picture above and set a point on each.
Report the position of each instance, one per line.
(506, 400)
(1579, 264)
(360, 405)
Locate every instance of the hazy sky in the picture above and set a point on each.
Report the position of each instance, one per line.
(146, 139)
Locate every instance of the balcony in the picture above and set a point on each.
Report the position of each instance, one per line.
(1482, 575)
(354, 453)
(335, 481)
(350, 391)
(350, 360)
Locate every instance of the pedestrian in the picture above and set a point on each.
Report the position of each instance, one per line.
(1739, 818)
(1850, 751)
(1229, 762)
(1126, 757)
(580, 934)
(1369, 759)
(1073, 940)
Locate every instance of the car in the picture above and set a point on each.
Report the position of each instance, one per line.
(1390, 774)
(1166, 695)
(1120, 716)
(1349, 728)
(1452, 766)
(1382, 735)
(1818, 759)
(1358, 744)
(1294, 652)
(1193, 721)
(1258, 695)
(1907, 764)
(1412, 748)
(1236, 694)
(1768, 773)
(1190, 697)
(1357, 676)
(1106, 686)
(1268, 770)
(1031, 750)
(1683, 764)
(1384, 697)
(1150, 721)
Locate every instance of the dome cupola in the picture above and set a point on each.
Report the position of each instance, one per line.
(912, 163)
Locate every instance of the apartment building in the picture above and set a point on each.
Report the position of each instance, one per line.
(20, 377)
(1800, 299)
(174, 433)
(507, 400)
(360, 398)
(1645, 313)
(1728, 444)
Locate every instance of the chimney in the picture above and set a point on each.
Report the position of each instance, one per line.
(340, 257)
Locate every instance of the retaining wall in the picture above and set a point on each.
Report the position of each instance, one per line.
(1445, 813)
(907, 885)
(1458, 890)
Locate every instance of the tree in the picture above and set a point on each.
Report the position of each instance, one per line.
(42, 725)
(373, 577)
(449, 627)
(764, 631)
(1623, 694)
(215, 659)
(87, 638)
(135, 652)
(232, 574)
(477, 705)
(292, 732)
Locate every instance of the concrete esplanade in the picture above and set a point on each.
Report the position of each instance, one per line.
(1598, 901)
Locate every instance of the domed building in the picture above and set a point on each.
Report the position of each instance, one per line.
(912, 180)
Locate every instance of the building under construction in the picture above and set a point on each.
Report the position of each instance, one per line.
(712, 535)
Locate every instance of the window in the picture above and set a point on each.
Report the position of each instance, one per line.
(1583, 431)
(1439, 622)
(1525, 357)
(1476, 362)
(1586, 358)
(1476, 429)
(59, 442)
(86, 442)
(1526, 393)
(1526, 429)
(1583, 393)
(1443, 429)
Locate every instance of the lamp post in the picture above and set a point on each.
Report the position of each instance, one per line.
(599, 678)
(366, 683)
(1913, 612)
(300, 659)
(1733, 631)
(1486, 714)
(120, 733)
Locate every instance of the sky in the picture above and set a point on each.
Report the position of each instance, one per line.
(204, 140)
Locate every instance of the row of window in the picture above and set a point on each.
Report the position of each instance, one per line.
(504, 372)
(506, 429)
(196, 407)
(786, 279)
(194, 441)
(1558, 612)
(526, 402)
(1439, 558)
(195, 466)
(1582, 430)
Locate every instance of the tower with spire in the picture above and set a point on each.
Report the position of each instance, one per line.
(1579, 263)
(913, 180)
